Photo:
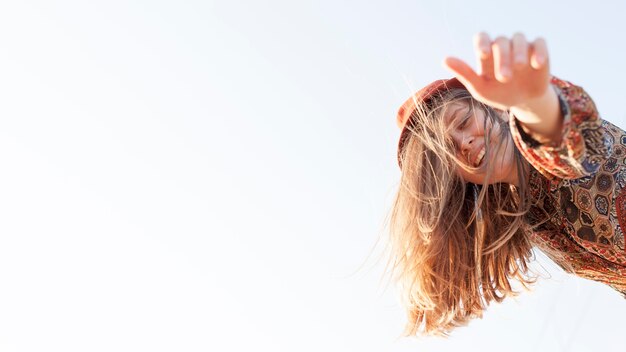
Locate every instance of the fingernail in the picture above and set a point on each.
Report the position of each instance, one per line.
(484, 50)
(540, 59)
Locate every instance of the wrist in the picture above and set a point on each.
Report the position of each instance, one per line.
(539, 102)
(541, 116)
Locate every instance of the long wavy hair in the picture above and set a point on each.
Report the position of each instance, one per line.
(455, 246)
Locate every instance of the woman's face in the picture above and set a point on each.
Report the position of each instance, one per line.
(467, 129)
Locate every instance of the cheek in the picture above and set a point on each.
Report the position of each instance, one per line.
(494, 130)
(507, 150)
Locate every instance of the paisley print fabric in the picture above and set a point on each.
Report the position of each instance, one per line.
(579, 190)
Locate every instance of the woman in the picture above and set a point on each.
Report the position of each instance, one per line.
(493, 163)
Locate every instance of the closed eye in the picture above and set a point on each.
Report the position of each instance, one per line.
(462, 125)
(464, 122)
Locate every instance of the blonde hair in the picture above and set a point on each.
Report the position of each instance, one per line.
(454, 246)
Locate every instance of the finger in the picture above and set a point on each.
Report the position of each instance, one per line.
(502, 59)
(482, 47)
(539, 55)
(519, 45)
(463, 72)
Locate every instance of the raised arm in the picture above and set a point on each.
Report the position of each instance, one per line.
(514, 75)
(554, 123)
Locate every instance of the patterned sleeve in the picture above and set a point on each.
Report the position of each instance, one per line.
(574, 259)
(583, 144)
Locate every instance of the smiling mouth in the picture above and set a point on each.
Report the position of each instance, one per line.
(479, 157)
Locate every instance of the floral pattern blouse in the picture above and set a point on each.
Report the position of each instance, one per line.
(578, 187)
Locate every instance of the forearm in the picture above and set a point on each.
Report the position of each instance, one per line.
(541, 117)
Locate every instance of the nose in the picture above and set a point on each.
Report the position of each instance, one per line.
(467, 144)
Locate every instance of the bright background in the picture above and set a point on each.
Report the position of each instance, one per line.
(213, 175)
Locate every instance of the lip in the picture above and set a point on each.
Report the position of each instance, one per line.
(474, 154)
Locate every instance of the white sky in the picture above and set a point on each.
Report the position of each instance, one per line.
(212, 175)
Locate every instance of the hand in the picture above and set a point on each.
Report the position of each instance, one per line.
(511, 73)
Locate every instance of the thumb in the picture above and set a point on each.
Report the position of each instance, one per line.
(462, 71)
